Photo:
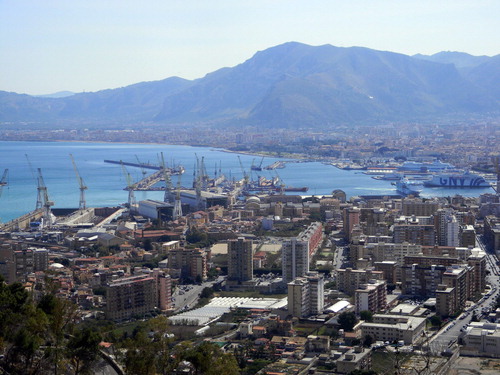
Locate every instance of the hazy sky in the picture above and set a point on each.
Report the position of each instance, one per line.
(88, 45)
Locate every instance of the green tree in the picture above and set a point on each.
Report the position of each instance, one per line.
(207, 293)
(347, 321)
(209, 359)
(368, 341)
(148, 352)
(436, 321)
(366, 315)
(82, 349)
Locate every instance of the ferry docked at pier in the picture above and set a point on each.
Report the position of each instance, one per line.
(458, 180)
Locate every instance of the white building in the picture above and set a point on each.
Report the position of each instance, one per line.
(394, 328)
(482, 339)
(306, 295)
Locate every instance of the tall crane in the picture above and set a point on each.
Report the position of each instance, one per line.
(39, 198)
(497, 168)
(168, 181)
(177, 204)
(45, 202)
(281, 183)
(260, 165)
(3, 181)
(82, 205)
(143, 171)
(130, 187)
(197, 183)
(245, 174)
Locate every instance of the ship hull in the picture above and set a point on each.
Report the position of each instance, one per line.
(457, 181)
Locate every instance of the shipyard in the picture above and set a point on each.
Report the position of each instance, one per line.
(249, 188)
(230, 237)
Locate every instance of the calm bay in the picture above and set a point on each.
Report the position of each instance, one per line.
(105, 181)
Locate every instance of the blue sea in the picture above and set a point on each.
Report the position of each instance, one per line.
(106, 181)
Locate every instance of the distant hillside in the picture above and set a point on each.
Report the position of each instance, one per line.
(459, 59)
(290, 85)
(59, 94)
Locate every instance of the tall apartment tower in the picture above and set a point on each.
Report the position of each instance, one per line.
(351, 216)
(240, 259)
(298, 297)
(295, 259)
(306, 295)
(447, 227)
(127, 297)
(297, 251)
(317, 292)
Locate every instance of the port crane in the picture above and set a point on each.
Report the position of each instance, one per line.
(257, 167)
(3, 181)
(143, 171)
(281, 183)
(130, 187)
(168, 181)
(82, 204)
(177, 204)
(245, 174)
(45, 202)
(198, 183)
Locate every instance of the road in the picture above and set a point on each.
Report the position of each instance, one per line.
(448, 335)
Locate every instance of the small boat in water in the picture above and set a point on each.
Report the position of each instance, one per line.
(407, 187)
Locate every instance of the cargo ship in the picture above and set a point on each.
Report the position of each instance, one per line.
(458, 180)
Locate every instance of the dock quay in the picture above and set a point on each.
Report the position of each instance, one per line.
(276, 165)
(22, 222)
(174, 171)
(146, 184)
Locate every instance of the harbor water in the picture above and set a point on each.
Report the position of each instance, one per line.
(106, 181)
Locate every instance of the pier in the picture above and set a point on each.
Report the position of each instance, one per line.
(147, 183)
(174, 171)
(22, 222)
(276, 165)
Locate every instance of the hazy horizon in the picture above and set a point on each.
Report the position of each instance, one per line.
(92, 45)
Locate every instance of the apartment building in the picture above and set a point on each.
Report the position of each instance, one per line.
(240, 259)
(415, 233)
(296, 252)
(371, 296)
(189, 263)
(394, 328)
(137, 295)
(131, 296)
(351, 217)
(419, 207)
(306, 295)
(348, 280)
(482, 340)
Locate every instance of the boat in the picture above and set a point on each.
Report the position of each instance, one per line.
(291, 188)
(458, 180)
(407, 187)
(435, 166)
(388, 177)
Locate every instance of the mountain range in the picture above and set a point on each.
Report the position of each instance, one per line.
(291, 85)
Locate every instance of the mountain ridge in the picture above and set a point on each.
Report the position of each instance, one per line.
(290, 85)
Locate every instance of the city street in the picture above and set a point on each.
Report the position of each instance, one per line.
(449, 333)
